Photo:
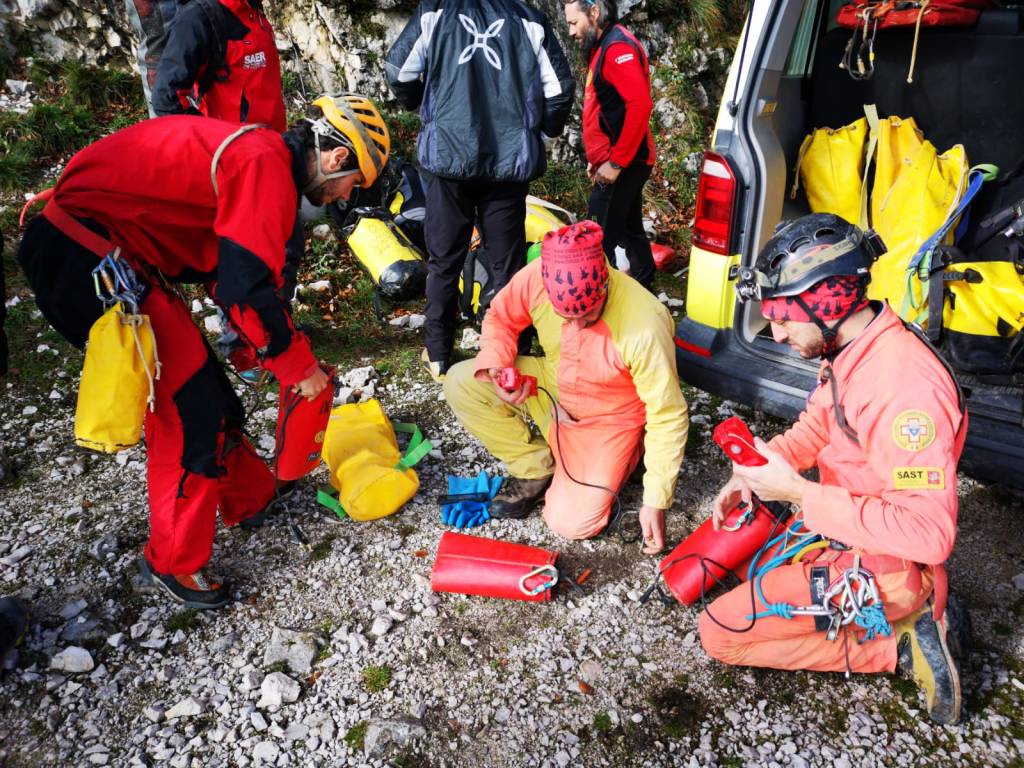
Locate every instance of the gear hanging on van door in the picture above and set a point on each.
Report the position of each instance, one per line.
(866, 17)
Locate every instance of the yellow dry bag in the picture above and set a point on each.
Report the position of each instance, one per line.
(914, 192)
(831, 167)
(393, 262)
(117, 381)
(370, 474)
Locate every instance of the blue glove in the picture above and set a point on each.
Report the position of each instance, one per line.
(469, 514)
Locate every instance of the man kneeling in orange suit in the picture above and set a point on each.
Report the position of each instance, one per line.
(885, 428)
(609, 362)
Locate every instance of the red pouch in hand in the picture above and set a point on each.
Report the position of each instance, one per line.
(301, 427)
(473, 565)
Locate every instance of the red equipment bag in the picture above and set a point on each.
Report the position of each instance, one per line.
(473, 565)
(301, 426)
(905, 13)
(706, 555)
(662, 254)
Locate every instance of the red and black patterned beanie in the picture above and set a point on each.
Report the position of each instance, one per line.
(830, 299)
(574, 269)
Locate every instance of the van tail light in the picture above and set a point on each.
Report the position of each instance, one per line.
(716, 200)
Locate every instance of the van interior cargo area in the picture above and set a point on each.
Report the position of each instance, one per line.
(968, 88)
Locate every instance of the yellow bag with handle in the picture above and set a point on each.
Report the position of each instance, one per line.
(831, 166)
(914, 192)
(117, 381)
(370, 476)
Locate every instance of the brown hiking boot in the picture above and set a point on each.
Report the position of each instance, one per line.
(517, 498)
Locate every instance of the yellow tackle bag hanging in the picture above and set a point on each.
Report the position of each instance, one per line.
(831, 166)
(121, 364)
(543, 217)
(370, 476)
(914, 191)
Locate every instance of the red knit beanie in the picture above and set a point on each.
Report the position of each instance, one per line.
(574, 269)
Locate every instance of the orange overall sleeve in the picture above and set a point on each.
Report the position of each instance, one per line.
(507, 317)
(911, 444)
(801, 443)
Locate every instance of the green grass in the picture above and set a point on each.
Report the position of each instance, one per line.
(277, 666)
(356, 736)
(402, 127)
(376, 678)
(602, 722)
(76, 105)
(185, 620)
(566, 185)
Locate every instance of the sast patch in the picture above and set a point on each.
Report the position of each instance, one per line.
(913, 430)
(930, 478)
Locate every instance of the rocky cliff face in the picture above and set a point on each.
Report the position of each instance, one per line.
(340, 45)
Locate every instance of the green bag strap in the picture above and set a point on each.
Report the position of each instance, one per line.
(871, 113)
(326, 496)
(418, 447)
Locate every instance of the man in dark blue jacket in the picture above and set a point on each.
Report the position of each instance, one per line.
(491, 83)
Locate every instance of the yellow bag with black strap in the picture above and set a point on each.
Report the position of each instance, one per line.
(370, 476)
(117, 381)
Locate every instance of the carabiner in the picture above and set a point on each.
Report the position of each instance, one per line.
(553, 576)
(747, 518)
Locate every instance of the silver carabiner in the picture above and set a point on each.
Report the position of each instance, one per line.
(530, 592)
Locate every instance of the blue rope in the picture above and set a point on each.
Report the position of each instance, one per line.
(873, 621)
(789, 542)
(792, 540)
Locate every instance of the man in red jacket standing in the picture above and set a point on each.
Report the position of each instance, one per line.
(616, 132)
(193, 200)
(221, 61)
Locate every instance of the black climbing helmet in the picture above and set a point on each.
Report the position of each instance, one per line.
(805, 251)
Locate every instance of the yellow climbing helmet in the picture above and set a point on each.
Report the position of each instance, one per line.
(354, 121)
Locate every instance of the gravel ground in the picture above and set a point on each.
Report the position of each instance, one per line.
(344, 657)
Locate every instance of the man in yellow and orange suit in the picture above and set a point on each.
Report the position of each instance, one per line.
(609, 361)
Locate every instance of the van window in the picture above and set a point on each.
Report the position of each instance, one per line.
(801, 53)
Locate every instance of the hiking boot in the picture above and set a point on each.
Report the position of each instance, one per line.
(436, 368)
(13, 623)
(517, 498)
(924, 656)
(193, 590)
(272, 507)
(959, 629)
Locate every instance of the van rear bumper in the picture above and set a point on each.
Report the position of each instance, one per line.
(995, 440)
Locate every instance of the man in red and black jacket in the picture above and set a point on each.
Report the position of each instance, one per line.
(154, 191)
(221, 61)
(616, 131)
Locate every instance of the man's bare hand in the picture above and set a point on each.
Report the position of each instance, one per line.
(312, 385)
(732, 493)
(774, 481)
(652, 524)
(606, 175)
